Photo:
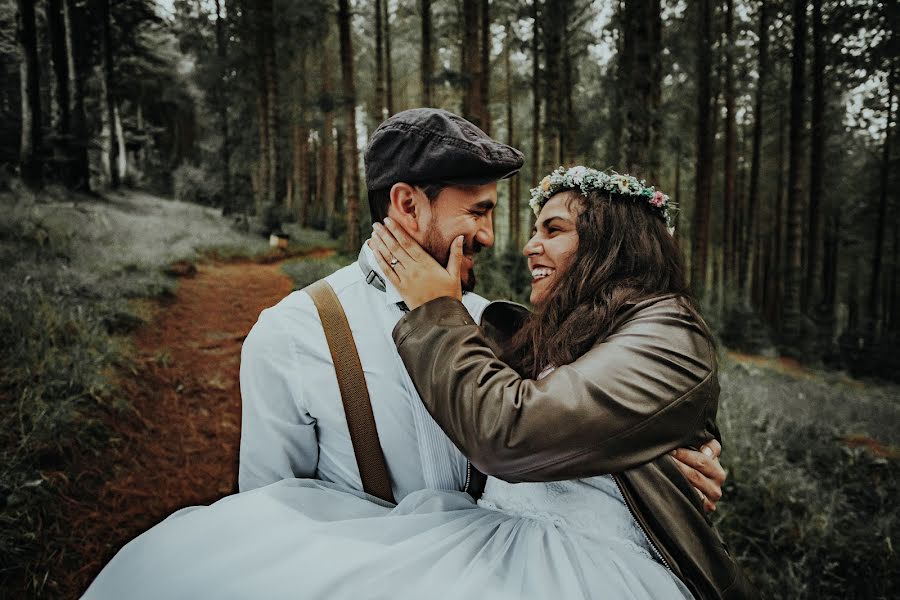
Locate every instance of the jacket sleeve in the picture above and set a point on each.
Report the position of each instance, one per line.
(648, 388)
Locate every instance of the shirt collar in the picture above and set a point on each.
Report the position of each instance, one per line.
(368, 264)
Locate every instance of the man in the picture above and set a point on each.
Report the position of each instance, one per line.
(436, 175)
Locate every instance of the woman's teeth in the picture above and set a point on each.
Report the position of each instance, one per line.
(540, 273)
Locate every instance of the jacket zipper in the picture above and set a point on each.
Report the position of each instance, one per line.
(641, 525)
(468, 475)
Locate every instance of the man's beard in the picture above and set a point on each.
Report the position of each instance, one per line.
(439, 249)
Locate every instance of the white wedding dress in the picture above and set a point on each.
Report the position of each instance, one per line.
(302, 538)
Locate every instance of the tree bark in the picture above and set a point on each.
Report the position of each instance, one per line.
(426, 62)
(75, 48)
(299, 196)
(485, 68)
(471, 62)
(380, 103)
(222, 106)
(640, 73)
(554, 25)
(109, 87)
(793, 277)
(351, 160)
(328, 161)
(515, 218)
(535, 94)
(56, 23)
(818, 137)
(267, 105)
(729, 201)
(753, 196)
(389, 63)
(703, 165)
(877, 258)
(30, 149)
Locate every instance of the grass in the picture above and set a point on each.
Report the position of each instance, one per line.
(74, 271)
(808, 514)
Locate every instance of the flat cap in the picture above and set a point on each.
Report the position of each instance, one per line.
(430, 145)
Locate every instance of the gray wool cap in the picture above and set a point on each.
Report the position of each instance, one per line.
(431, 145)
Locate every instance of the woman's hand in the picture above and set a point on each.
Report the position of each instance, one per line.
(416, 275)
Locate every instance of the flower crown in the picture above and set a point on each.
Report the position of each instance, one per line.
(586, 180)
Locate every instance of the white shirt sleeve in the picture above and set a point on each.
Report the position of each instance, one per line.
(278, 436)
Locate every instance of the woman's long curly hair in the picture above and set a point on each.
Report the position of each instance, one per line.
(625, 254)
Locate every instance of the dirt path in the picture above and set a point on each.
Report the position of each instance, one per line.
(179, 446)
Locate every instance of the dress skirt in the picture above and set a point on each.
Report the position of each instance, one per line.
(302, 538)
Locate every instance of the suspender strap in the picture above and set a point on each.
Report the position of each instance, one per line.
(354, 393)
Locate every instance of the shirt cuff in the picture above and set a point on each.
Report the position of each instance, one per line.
(441, 312)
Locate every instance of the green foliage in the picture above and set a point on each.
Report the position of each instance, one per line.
(806, 515)
(307, 271)
(191, 183)
(503, 274)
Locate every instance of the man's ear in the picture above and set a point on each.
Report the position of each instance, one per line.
(406, 206)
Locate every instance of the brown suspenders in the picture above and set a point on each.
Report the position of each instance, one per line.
(354, 393)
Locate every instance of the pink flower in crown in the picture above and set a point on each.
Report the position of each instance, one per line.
(658, 199)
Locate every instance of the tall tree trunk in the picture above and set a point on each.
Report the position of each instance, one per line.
(271, 75)
(779, 261)
(894, 298)
(388, 62)
(729, 201)
(485, 68)
(794, 276)
(30, 149)
(570, 123)
(56, 23)
(753, 197)
(328, 161)
(109, 86)
(471, 62)
(554, 25)
(830, 261)
(878, 252)
(222, 106)
(426, 61)
(299, 198)
(535, 95)
(703, 166)
(640, 73)
(267, 105)
(380, 104)
(300, 173)
(515, 217)
(816, 161)
(351, 160)
(75, 48)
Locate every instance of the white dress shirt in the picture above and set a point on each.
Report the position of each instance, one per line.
(293, 422)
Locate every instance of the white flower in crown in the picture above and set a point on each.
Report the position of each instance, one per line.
(577, 174)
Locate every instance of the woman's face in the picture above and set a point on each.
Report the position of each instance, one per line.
(552, 245)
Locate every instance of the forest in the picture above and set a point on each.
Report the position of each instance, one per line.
(771, 123)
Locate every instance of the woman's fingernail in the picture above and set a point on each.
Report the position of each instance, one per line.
(387, 220)
(707, 451)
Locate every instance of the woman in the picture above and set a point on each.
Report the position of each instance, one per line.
(609, 290)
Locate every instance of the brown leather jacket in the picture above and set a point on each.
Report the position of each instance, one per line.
(649, 387)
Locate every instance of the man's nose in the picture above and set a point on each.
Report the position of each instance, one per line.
(485, 233)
